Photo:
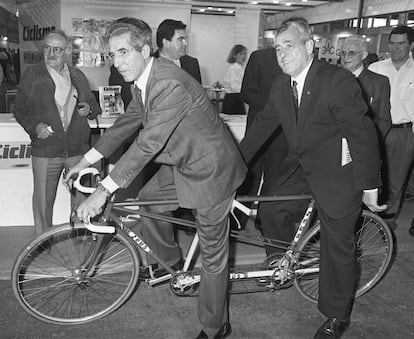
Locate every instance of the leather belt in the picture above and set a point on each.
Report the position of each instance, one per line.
(404, 125)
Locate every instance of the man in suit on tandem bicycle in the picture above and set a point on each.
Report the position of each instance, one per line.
(201, 165)
(333, 154)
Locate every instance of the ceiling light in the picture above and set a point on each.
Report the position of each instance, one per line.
(288, 4)
(255, 2)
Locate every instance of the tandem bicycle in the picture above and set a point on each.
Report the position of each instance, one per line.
(77, 273)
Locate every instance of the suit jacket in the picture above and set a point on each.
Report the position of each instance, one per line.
(191, 66)
(182, 131)
(376, 92)
(260, 72)
(331, 108)
(188, 64)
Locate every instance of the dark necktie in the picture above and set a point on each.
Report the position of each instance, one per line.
(139, 97)
(295, 97)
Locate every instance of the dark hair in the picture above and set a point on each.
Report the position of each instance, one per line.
(231, 59)
(140, 31)
(166, 30)
(403, 30)
(301, 24)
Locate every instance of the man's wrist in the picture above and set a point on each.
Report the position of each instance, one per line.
(101, 188)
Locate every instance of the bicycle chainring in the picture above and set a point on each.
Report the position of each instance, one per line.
(184, 284)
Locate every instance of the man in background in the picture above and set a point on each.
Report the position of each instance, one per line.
(261, 70)
(172, 45)
(200, 164)
(399, 143)
(53, 104)
(375, 87)
(323, 116)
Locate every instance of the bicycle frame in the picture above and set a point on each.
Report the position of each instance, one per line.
(290, 248)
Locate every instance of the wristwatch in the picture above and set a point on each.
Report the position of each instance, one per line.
(104, 190)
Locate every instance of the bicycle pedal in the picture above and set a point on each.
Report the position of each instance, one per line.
(265, 282)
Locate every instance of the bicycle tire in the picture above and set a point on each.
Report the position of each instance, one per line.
(52, 284)
(374, 248)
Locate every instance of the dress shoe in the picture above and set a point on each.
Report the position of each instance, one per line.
(331, 328)
(223, 332)
(155, 271)
(411, 229)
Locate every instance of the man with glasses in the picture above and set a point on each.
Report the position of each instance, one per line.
(201, 165)
(399, 143)
(53, 104)
(375, 87)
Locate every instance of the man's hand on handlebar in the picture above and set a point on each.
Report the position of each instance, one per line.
(92, 206)
(72, 173)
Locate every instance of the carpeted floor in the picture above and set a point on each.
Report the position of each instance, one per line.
(155, 313)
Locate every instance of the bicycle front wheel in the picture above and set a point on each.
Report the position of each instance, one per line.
(69, 275)
(374, 249)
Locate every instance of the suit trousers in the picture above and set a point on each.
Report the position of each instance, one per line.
(277, 219)
(213, 231)
(46, 175)
(266, 163)
(399, 157)
(337, 257)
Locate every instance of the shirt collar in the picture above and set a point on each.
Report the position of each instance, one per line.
(358, 71)
(142, 80)
(300, 79)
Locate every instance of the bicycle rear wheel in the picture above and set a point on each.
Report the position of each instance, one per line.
(374, 249)
(72, 276)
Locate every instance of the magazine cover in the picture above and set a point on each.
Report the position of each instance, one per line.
(111, 101)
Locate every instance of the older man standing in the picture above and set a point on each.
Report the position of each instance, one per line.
(375, 87)
(53, 104)
(399, 144)
(201, 165)
(333, 154)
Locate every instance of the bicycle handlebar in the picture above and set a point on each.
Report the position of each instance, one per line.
(99, 228)
(77, 184)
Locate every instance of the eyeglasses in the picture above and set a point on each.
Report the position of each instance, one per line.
(55, 50)
(351, 54)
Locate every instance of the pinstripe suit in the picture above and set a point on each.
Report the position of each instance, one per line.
(200, 165)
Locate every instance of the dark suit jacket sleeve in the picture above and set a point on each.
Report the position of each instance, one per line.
(251, 92)
(384, 117)
(168, 104)
(265, 123)
(349, 109)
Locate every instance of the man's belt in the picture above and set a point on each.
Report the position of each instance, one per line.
(404, 125)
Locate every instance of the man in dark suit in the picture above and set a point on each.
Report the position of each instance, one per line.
(261, 70)
(172, 45)
(201, 165)
(333, 153)
(375, 87)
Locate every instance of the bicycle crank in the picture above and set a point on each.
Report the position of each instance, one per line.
(185, 284)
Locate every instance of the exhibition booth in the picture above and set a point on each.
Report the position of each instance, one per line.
(16, 179)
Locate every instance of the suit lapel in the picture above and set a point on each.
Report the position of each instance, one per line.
(289, 117)
(308, 95)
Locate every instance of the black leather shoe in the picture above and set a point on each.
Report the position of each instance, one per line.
(331, 328)
(156, 271)
(411, 229)
(223, 332)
